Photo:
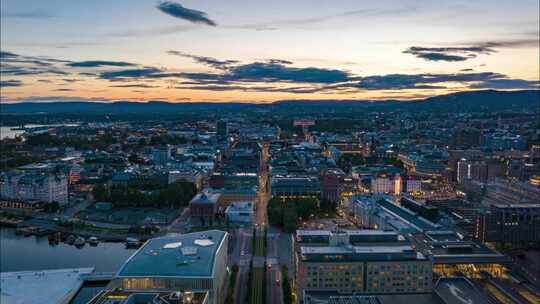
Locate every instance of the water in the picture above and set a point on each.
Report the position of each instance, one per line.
(18, 253)
(11, 132)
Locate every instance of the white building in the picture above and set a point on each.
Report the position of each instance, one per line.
(240, 212)
(45, 187)
(384, 183)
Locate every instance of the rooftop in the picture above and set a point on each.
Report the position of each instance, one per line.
(44, 286)
(186, 255)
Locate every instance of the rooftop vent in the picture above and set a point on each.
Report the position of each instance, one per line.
(172, 245)
(190, 250)
(203, 242)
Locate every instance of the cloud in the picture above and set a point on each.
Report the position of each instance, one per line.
(365, 13)
(164, 30)
(450, 54)
(213, 62)
(462, 53)
(28, 15)
(64, 90)
(271, 72)
(98, 63)
(178, 11)
(18, 65)
(507, 84)
(439, 81)
(138, 85)
(131, 73)
(10, 83)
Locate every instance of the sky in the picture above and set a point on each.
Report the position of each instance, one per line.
(263, 51)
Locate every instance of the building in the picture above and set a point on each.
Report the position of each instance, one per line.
(331, 185)
(360, 262)
(384, 183)
(188, 264)
(191, 175)
(240, 212)
(35, 187)
(291, 187)
(413, 184)
(204, 206)
(161, 155)
(222, 130)
(513, 223)
(446, 291)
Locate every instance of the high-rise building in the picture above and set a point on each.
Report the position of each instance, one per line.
(222, 130)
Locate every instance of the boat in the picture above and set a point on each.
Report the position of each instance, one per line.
(132, 242)
(93, 241)
(79, 241)
(70, 239)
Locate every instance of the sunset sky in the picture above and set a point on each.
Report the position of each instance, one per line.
(262, 51)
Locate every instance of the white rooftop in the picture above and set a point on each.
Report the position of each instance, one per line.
(44, 286)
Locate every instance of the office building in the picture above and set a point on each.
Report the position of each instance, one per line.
(360, 262)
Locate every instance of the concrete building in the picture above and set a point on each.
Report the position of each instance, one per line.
(189, 263)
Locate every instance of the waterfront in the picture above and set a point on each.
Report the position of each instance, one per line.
(18, 253)
(13, 131)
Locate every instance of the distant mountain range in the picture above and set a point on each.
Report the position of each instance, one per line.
(462, 101)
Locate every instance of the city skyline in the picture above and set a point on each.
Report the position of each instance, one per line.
(262, 52)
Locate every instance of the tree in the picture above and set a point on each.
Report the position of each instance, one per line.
(286, 285)
(290, 217)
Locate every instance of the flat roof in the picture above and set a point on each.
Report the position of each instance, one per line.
(359, 253)
(41, 286)
(186, 255)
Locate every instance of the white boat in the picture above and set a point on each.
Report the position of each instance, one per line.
(79, 241)
(93, 241)
(132, 242)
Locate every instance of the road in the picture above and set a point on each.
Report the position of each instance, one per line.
(241, 255)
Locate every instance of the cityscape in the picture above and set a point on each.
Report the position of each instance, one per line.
(243, 152)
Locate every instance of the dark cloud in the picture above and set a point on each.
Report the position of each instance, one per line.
(438, 81)
(64, 90)
(213, 62)
(131, 73)
(18, 65)
(99, 63)
(450, 54)
(10, 83)
(178, 11)
(5, 55)
(28, 15)
(462, 53)
(137, 85)
(271, 72)
(507, 84)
